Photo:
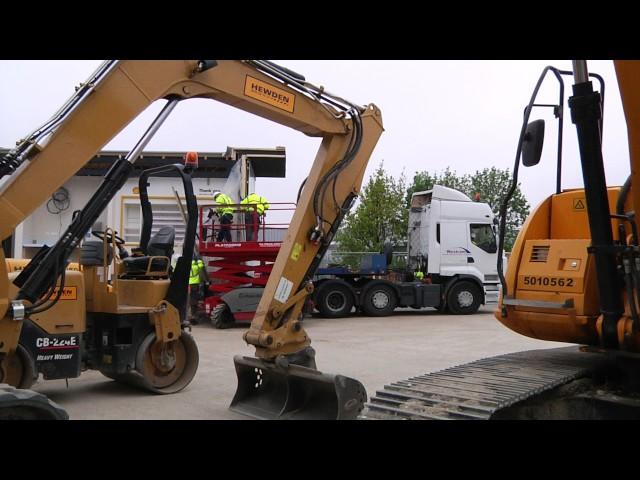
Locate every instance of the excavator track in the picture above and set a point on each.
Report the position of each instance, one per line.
(20, 404)
(480, 389)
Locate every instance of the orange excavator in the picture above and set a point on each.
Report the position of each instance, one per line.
(573, 276)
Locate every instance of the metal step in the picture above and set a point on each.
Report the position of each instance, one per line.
(477, 390)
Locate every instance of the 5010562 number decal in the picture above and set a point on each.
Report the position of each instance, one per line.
(548, 281)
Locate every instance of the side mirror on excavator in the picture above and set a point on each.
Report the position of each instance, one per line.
(532, 143)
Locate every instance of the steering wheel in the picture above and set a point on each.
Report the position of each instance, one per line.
(110, 236)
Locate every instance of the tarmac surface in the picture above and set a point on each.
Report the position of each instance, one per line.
(376, 351)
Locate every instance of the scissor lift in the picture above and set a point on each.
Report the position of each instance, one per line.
(245, 261)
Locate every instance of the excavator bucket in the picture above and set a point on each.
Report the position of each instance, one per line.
(268, 391)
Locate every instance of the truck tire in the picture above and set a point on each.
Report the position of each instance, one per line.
(334, 299)
(379, 300)
(464, 298)
(442, 308)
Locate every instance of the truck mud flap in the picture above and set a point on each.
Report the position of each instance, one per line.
(267, 391)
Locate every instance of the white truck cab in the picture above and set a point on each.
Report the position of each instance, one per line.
(452, 236)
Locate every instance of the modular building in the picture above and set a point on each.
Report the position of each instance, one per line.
(233, 171)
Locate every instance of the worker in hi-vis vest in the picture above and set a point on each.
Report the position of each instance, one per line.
(225, 214)
(197, 284)
(255, 211)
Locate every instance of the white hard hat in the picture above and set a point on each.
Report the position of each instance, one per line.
(215, 193)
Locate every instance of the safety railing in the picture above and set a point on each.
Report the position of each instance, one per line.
(245, 224)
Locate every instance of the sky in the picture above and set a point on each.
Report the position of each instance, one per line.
(465, 115)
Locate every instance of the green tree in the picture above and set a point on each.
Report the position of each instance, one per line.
(491, 184)
(379, 216)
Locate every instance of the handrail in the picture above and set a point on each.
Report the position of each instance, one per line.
(252, 227)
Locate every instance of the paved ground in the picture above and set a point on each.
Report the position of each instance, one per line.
(373, 350)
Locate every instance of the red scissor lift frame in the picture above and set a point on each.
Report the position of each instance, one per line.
(226, 262)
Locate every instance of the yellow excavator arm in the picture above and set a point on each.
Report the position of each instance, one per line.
(120, 90)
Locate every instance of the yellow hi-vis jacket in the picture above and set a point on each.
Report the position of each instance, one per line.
(194, 275)
(257, 200)
(223, 199)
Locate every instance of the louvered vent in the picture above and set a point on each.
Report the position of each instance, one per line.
(539, 253)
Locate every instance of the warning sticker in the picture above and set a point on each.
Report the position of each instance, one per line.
(579, 204)
(284, 290)
(295, 254)
(269, 94)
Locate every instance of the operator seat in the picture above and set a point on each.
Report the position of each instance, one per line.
(157, 260)
(92, 253)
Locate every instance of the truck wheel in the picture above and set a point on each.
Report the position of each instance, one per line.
(379, 301)
(334, 300)
(463, 298)
(442, 308)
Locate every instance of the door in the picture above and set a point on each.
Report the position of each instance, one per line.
(454, 247)
(483, 247)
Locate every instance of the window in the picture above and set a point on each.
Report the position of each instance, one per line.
(482, 236)
(132, 223)
(165, 213)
